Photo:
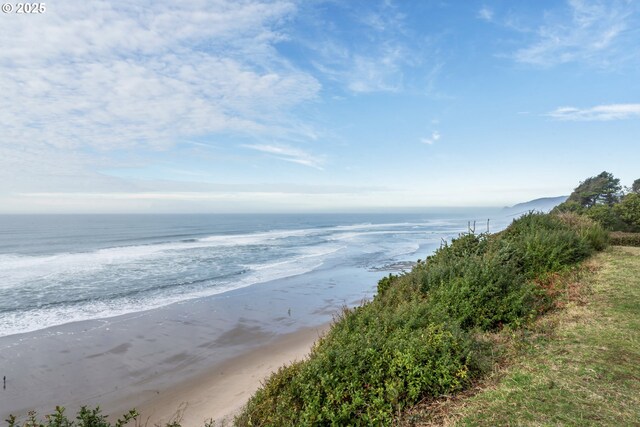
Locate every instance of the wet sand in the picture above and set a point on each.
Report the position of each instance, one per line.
(209, 354)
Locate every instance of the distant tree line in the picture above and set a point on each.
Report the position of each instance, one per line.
(603, 199)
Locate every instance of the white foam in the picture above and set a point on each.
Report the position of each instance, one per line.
(17, 269)
(257, 238)
(307, 260)
(88, 271)
(366, 226)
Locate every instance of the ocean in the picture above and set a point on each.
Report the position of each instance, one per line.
(57, 269)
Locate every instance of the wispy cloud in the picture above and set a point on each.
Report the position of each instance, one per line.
(485, 14)
(602, 33)
(597, 113)
(375, 54)
(362, 73)
(106, 75)
(289, 154)
(379, 74)
(87, 79)
(435, 136)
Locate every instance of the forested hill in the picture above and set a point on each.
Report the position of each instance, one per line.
(544, 204)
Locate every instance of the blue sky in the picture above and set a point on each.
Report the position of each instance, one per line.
(314, 106)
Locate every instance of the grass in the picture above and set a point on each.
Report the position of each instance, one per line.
(575, 366)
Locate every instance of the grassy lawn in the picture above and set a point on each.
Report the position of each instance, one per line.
(585, 370)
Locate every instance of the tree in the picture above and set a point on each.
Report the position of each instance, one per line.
(606, 215)
(635, 188)
(629, 210)
(603, 188)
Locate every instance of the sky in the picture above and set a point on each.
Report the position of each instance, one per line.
(226, 106)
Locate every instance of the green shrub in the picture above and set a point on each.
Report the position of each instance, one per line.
(376, 360)
(606, 215)
(416, 338)
(475, 283)
(625, 239)
(592, 232)
(550, 243)
(542, 251)
(385, 283)
(568, 206)
(85, 418)
(487, 281)
(448, 262)
(489, 292)
(629, 211)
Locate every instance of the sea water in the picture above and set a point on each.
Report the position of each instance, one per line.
(56, 269)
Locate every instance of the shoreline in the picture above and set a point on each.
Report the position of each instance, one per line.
(163, 357)
(210, 353)
(205, 355)
(222, 390)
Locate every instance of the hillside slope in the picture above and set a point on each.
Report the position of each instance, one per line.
(582, 368)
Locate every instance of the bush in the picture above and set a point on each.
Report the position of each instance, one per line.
(416, 338)
(375, 361)
(625, 239)
(607, 216)
(629, 211)
(568, 206)
(592, 232)
(448, 262)
(385, 283)
(539, 248)
(488, 281)
(85, 418)
(475, 284)
(487, 293)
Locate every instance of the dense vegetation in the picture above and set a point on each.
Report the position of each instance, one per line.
(86, 417)
(624, 239)
(420, 337)
(417, 337)
(574, 367)
(603, 199)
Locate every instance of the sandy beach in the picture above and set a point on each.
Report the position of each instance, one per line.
(204, 357)
(219, 393)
